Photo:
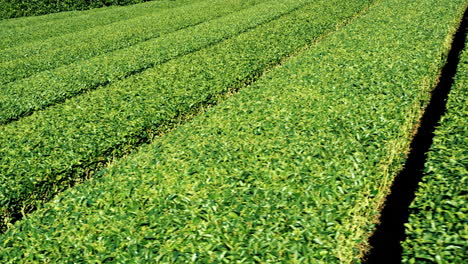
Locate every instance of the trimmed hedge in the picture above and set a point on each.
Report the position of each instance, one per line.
(25, 60)
(44, 153)
(19, 8)
(292, 169)
(40, 20)
(27, 95)
(19, 31)
(437, 231)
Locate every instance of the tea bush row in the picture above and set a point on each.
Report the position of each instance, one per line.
(25, 60)
(34, 29)
(47, 151)
(19, 8)
(291, 169)
(46, 88)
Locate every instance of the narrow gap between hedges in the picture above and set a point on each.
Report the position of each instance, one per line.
(386, 241)
(148, 136)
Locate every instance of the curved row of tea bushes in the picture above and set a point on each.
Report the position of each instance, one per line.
(14, 34)
(46, 88)
(25, 60)
(20, 8)
(57, 17)
(292, 169)
(437, 231)
(193, 11)
(47, 151)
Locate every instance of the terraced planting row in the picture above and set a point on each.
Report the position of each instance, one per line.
(23, 22)
(19, 8)
(437, 229)
(25, 60)
(293, 168)
(25, 96)
(50, 149)
(19, 31)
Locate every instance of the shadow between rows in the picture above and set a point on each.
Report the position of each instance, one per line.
(386, 241)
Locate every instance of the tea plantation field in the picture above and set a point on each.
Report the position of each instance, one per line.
(225, 131)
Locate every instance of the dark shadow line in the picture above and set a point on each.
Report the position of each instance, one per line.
(385, 242)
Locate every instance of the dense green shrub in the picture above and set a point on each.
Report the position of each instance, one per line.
(19, 8)
(27, 95)
(24, 60)
(437, 231)
(47, 151)
(291, 169)
(15, 32)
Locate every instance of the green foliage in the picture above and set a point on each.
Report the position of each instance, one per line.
(44, 153)
(32, 57)
(437, 231)
(27, 95)
(19, 31)
(19, 8)
(290, 169)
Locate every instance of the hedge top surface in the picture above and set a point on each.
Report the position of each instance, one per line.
(20, 8)
(47, 88)
(21, 22)
(290, 169)
(46, 152)
(122, 33)
(17, 32)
